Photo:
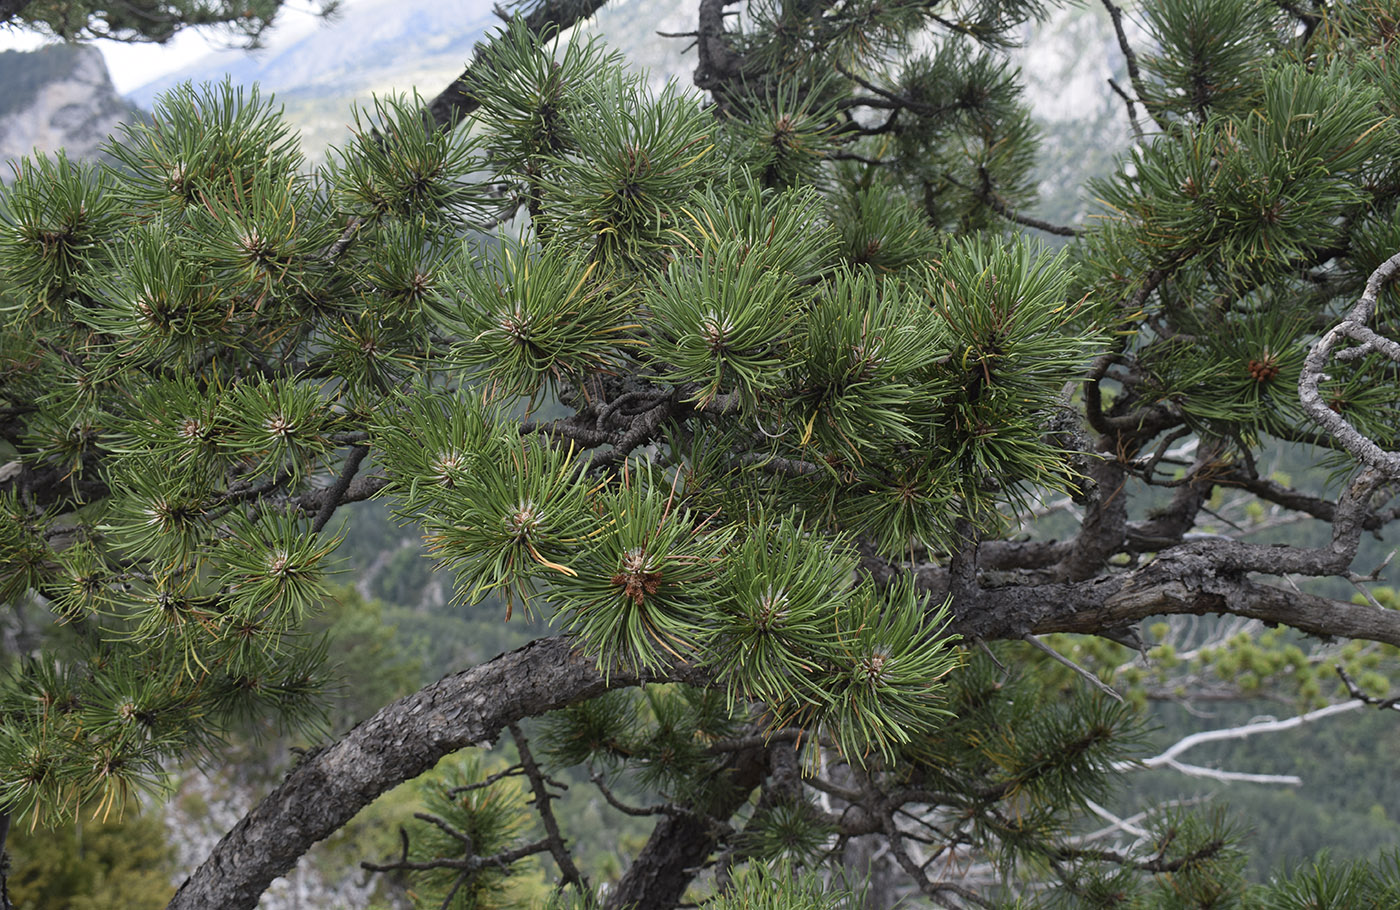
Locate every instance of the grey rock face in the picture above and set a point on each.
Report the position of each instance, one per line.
(59, 96)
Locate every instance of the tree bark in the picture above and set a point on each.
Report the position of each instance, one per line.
(400, 742)
(455, 102)
(680, 844)
(409, 736)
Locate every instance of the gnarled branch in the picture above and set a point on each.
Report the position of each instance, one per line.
(400, 742)
(1351, 328)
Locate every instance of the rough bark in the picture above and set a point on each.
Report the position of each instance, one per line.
(409, 736)
(1105, 521)
(1189, 585)
(680, 843)
(402, 741)
(718, 62)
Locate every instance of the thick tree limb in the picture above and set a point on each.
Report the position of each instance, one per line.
(400, 742)
(1021, 554)
(681, 842)
(455, 102)
(408, 737)
(962, 568)
(1184, 581)
(718, 62)
(1105, 522)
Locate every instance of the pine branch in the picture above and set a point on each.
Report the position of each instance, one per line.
(557, 848)
(719, 64)
(446, 828)
(775, 464)
(988, 194)
(641, 430)
(335, 495)
(1356, 692)
(619, 805)
(1298, 501)
(512, 771)
(359, 489)
(897, 100)
(468, 864)
(1132, 108)
(1130, 57)
(938, 892)
(680, 844)
(454, 103)
(963, 585)
(1084, 674)
(1352, 328)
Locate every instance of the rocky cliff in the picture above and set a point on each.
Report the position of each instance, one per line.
(59, 96)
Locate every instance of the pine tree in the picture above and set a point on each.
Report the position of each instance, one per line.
(241, 22)
(749, 390)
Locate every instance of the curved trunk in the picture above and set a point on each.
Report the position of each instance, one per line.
(400, 742)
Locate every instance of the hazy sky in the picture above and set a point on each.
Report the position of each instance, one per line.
(134, 65)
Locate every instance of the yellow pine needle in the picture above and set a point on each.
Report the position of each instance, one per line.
(660, 639)
(698, 155)
(547, 563)
(666, 512)
(582, 278)
(109, 800)
(688, 242)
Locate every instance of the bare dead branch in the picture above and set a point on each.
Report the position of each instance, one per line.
(1084, 674)
(557, 848)
(1355, 691)
(1352, 328)
(1169, 758)
(619, 805)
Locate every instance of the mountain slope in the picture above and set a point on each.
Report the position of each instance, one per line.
(373, 47)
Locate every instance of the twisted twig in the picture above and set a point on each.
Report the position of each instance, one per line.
(1351, 328)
